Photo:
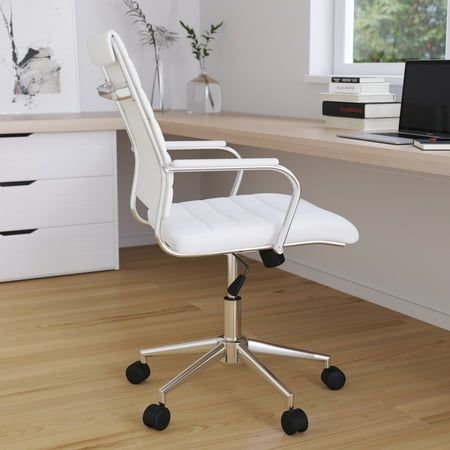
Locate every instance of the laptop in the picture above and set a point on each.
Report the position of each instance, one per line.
(425, 105)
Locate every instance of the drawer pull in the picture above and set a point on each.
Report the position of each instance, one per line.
(17, 183)
(15, 232)
(15, 135)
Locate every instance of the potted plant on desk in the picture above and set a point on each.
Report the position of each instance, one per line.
(204, 94)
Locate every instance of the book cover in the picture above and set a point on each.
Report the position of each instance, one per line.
(359, 88)
(360, 110)
(380, 124)
(357, 98)
(357, 80)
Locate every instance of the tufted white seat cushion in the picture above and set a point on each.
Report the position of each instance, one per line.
(232, 223)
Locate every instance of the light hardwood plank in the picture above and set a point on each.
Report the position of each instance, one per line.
(65, 342)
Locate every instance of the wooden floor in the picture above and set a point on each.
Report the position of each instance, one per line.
(65, 343)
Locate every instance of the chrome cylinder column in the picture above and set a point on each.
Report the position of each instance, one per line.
(232, 319)
(232, 316)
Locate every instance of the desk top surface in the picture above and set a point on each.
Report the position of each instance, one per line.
(300, 136)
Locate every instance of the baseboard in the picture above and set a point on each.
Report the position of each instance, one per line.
(401, 305)
(136, 240)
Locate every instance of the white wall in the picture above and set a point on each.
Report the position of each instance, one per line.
(261, 56)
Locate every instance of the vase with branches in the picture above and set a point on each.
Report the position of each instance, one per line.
(159, 38)
(203, 92)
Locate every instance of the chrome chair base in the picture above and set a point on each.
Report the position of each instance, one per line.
(231, 352)
(231, 349)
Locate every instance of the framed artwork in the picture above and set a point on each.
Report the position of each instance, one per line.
(38, 57)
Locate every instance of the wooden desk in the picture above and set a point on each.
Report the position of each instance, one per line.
(300, 136)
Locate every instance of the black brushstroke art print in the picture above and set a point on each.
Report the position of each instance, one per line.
(34, 69)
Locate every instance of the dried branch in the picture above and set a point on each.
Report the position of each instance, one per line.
(10, 30)
(153, 35)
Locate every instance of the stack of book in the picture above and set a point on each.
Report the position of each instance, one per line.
(360, 103)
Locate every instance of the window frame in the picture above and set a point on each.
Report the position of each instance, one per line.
(343, 45)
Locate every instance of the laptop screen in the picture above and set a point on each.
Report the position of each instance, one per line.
(426, 98)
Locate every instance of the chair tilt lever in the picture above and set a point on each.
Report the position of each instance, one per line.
(235, 287)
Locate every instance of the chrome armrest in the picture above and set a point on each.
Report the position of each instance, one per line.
(223, 165)
(196, 145)
(209, 145)
(218, 165)
(107, 91)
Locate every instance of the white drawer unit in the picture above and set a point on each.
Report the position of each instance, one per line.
(58, 204)
(57, 155)
(57, 251)
(51, 203)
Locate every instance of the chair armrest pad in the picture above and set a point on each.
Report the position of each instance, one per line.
(223, 163)
(194, 145)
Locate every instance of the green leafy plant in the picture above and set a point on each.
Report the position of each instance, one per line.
(201, 46)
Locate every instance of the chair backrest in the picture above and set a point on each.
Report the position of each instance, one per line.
(153, 186)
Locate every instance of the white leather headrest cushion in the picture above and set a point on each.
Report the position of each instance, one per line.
(100, 48)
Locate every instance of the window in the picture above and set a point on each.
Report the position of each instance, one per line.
(377, 36)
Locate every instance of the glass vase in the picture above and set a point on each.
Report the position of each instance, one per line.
(204, 95)
(159, 95)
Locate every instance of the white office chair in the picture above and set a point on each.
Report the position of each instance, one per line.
(228, 226)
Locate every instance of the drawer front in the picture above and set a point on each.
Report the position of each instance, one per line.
(56, 155)
(58, 251)
(55, 203)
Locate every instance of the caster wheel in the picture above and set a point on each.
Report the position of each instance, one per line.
(137, 372)
(333, 378)
(157, 417)
(293, 421)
